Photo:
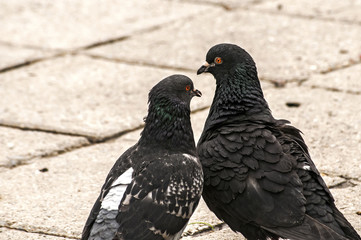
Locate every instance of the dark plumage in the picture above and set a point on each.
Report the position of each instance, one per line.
(258, 175)
(155, 186)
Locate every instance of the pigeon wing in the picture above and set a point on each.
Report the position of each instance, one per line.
(160, 200)
(120, 167)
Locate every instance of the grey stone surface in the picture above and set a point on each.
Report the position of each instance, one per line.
(348, 201)
(201, 220)
(348, 10)
(58, 201)
(343, 80)
(69, 24)
(18, 147)
(284, 48)
(226, 4)
(81, 95)
(223, 234)
(10, 234)
(11, 55)
(330, 122)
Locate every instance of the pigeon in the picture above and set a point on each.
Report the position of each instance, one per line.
(258, 174)
(155, 186)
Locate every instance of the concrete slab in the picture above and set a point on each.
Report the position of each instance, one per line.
(348, 202)
(14, 55)
(61, 198)
(83, 96)
(330, 122)
(68, 24)
(18, 147)
(10, 234)
(284, 48)
(223, 234)
(226, 4)
(348, 10)
(203, 219)
(58, 201)
(347, 80)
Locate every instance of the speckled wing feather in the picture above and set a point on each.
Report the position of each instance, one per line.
(161, 198)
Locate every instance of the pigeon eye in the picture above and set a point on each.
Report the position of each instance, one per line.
(218, 60)
(188, 87)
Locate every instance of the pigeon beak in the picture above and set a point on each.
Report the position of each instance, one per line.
(204, 68)
(197, 93)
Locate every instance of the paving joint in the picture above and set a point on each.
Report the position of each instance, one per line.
(92, 141)
(38, 232)
(64, 52)
(333, 89)
(307, 17)
(135, 63)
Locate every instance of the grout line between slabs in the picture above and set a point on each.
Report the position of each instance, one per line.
(91, 140)
(300, 16)
(63, 52)
(38, 232)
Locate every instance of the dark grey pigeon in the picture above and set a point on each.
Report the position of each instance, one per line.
(155, 186)
(258, 175)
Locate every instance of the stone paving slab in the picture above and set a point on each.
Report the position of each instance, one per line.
(83, 96)
(58, 201)
(69, 24)
(223, 234)
(226, 4)
(10, 234)
(330, 122)
(18, 147)
(348, 10)
(347, 80)
(284, 48)
(62, 197)
(11, 55)
(347, 200)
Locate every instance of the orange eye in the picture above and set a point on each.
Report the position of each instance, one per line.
(188, 87)
(218, 60)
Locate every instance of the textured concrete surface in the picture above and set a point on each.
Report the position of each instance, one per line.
(11, 56)
(348, 10)
(346, 80)
(18, 147)
(69, 24)
(283, 47)
(11, 234)
(74, 79)
(81, 95)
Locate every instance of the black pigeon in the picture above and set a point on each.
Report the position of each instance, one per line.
(258, 175)
(155, 186)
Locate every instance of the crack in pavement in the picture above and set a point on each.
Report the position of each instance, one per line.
(37, 231)
(307, 17)
(92, 141)
(63, 52)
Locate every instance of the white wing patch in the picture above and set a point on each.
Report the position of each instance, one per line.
(193, 158)
(117, 190)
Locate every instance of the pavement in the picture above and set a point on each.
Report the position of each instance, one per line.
(74, 79)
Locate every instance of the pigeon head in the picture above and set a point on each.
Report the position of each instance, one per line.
(175, 89)
(238, 88)
(168, 120)
(222, 60)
